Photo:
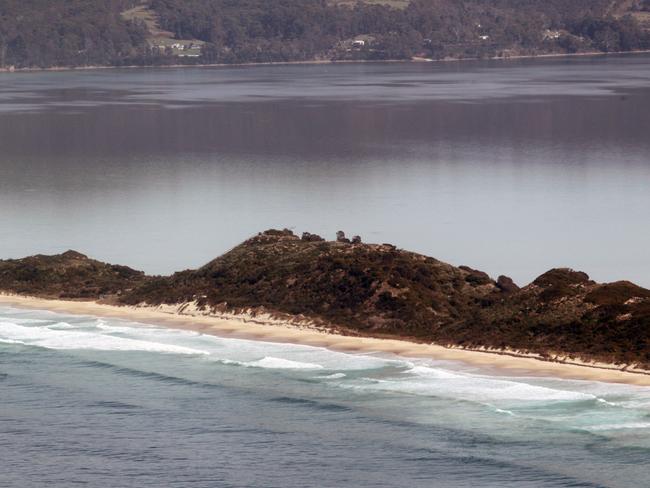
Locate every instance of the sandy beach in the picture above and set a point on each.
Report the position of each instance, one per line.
(246, 326)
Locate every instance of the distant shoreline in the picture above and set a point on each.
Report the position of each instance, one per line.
(321, 62)
(270, 329)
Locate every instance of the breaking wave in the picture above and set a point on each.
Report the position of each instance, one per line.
(584, 405)
(69, 338)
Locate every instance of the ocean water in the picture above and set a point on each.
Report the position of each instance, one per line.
(97, 402)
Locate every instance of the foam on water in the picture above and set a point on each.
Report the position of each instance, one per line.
(61, 326)
(506, 412)
(280, 363)
(10, 341)
(636, 403)
(429, 372)
(620, 426)
(334, 376)
(141, 329)
(426, 381)
(75, 339)
(269, 363)
(584, 405)
(101, 334)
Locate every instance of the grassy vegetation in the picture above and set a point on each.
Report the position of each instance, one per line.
(142, 13)
(69, 275)
(159, 39)
(367, 287)
(374, 290)
(379, 290)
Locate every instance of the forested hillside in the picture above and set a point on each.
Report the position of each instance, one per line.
(44, 33)
(50, 33)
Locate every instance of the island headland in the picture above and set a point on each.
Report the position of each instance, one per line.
(361, 293)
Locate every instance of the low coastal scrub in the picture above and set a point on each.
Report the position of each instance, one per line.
(374, 290)
(70, 275)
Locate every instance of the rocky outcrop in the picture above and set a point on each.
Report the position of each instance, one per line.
(340, 237)
(506, 284)
(308, 237)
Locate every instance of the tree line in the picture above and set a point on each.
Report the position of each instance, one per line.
(46, 33)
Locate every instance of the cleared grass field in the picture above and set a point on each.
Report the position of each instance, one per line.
(643, 18)
(144, 14)
(158, 37)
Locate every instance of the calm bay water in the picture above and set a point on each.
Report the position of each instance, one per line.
(94, 402)
(512, 168)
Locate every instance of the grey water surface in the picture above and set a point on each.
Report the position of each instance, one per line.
(510, 167)
(105, 403)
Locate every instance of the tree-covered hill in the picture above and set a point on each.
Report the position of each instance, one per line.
(68, 275)
(374, 290)
(51, 33)
(378, 290)
(46, 33)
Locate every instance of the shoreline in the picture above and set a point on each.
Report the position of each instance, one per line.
(321, 62)
(269, 329)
